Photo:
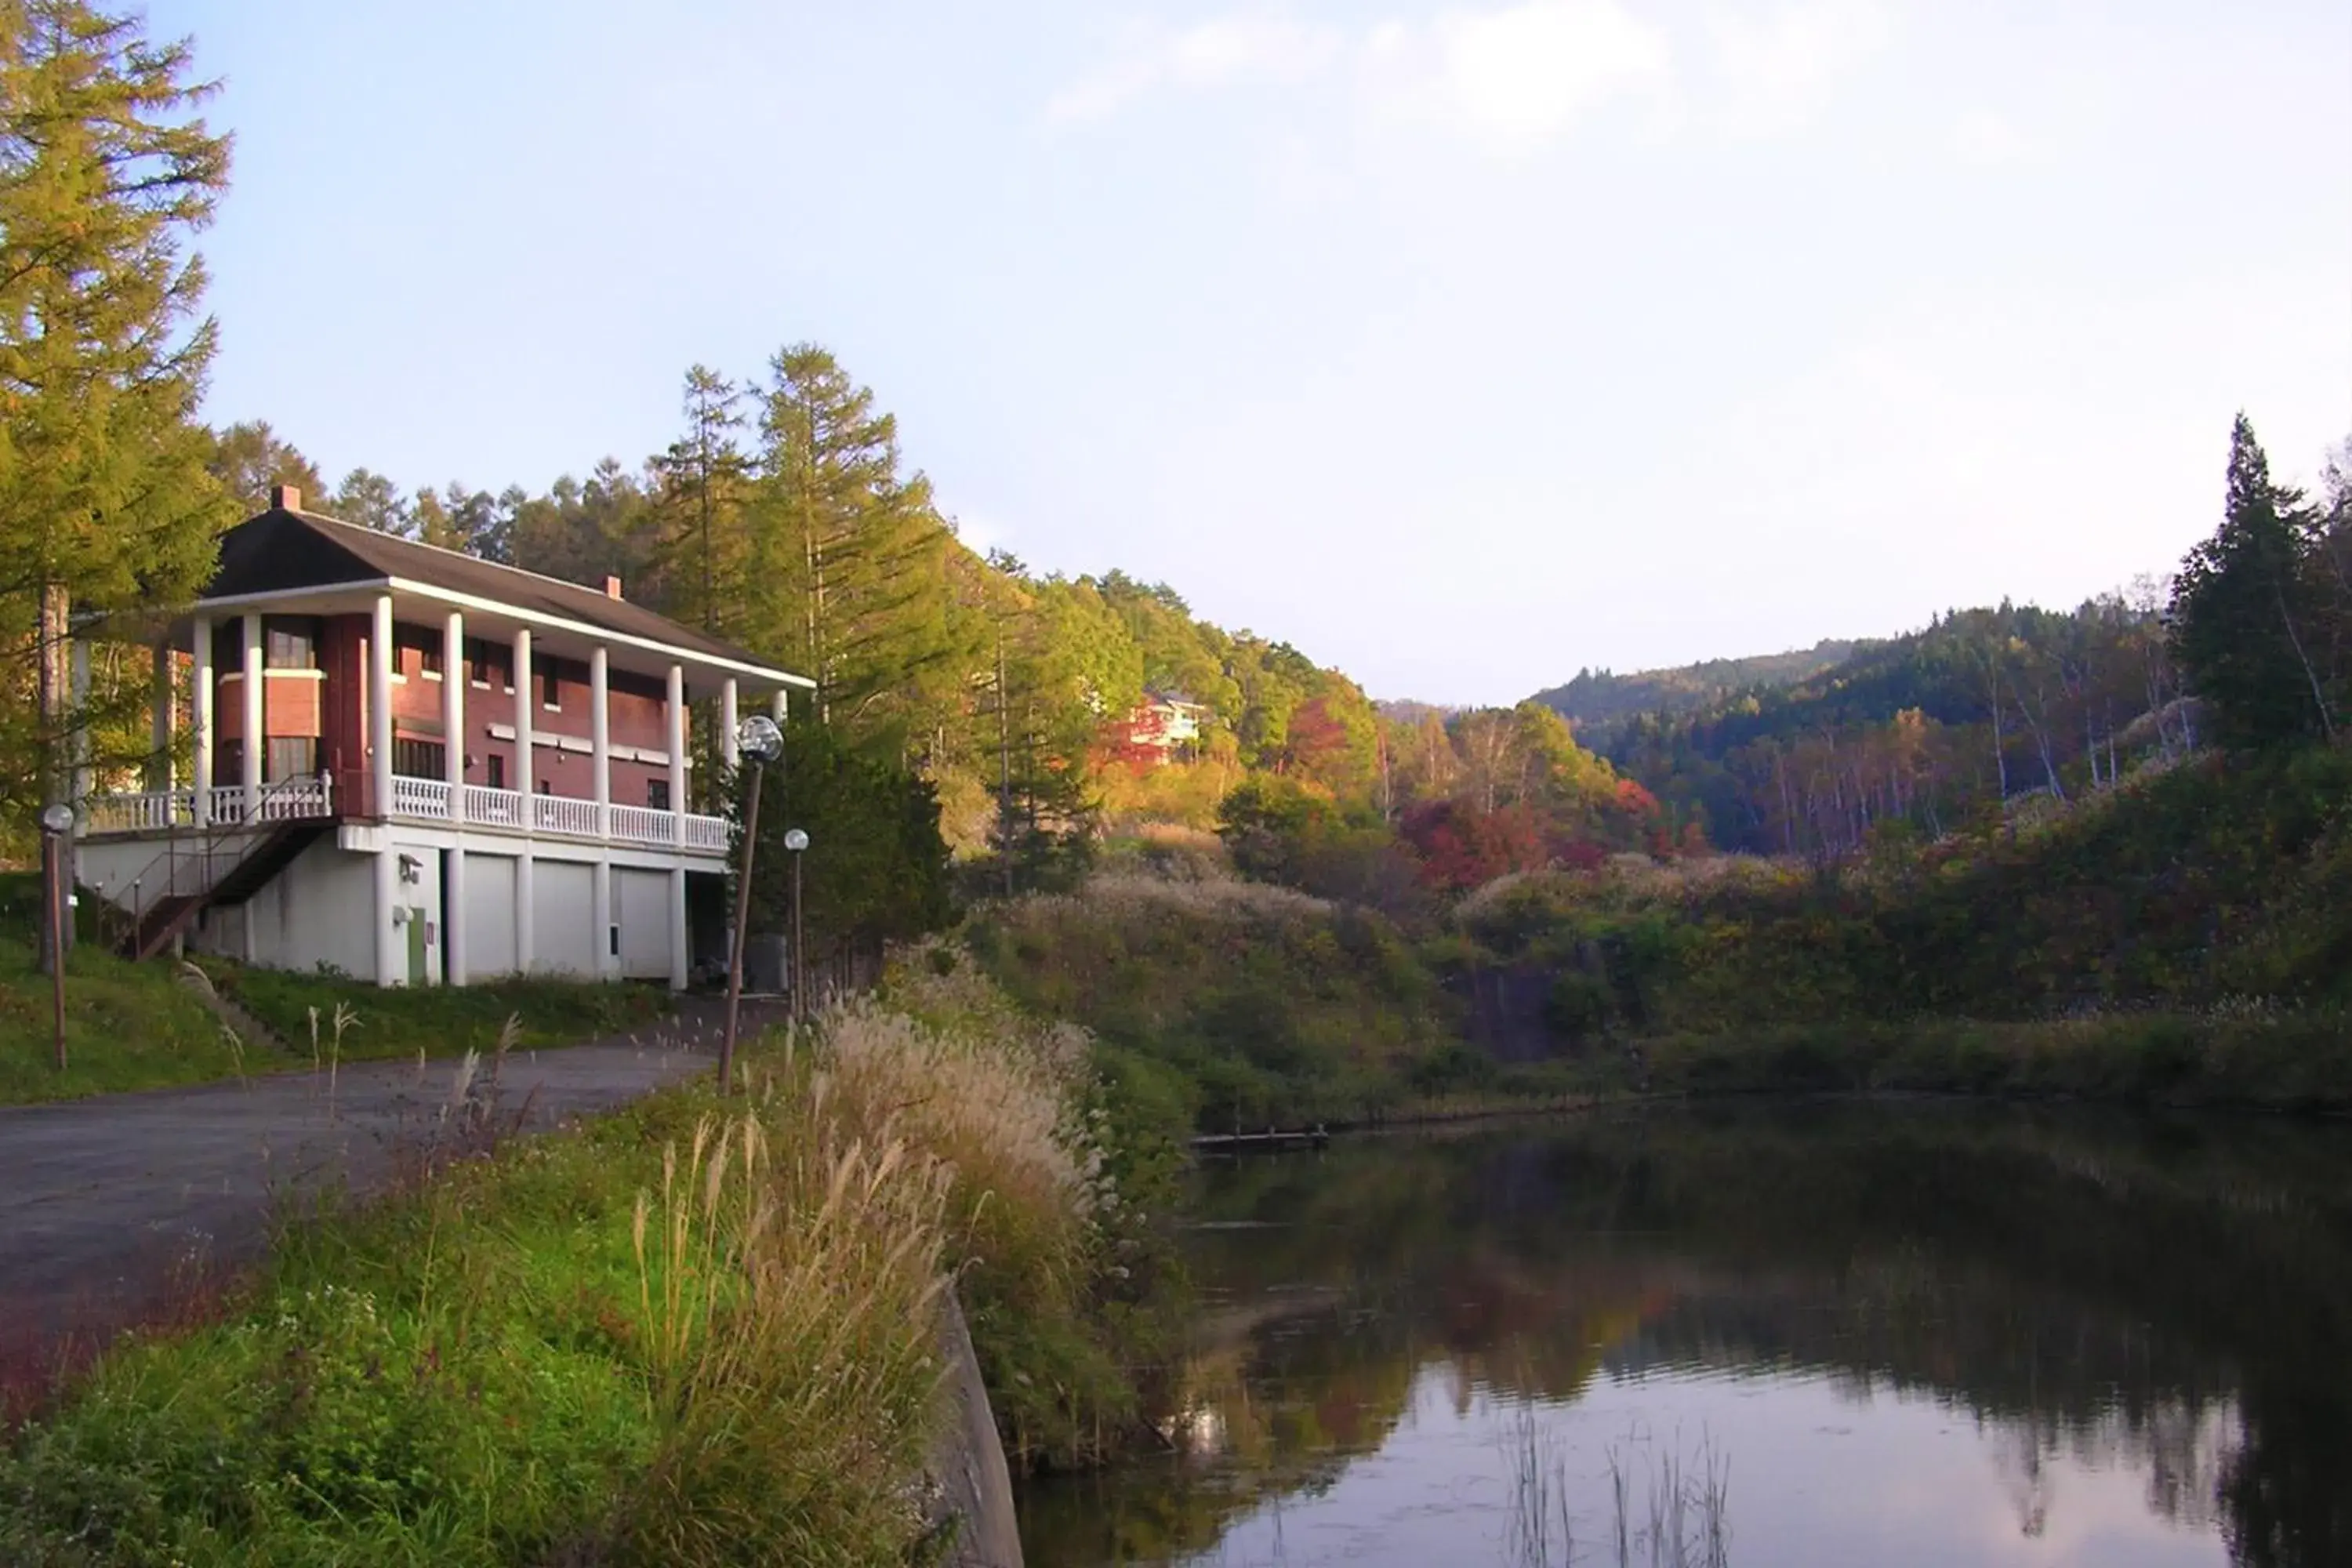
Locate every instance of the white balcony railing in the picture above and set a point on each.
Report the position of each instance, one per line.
(642, 825)
(562, 814)
(226, 806)
(414, 800)
(487, 808)
(149, 811)
(423, 800)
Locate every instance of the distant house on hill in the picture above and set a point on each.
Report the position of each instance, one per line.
(1164, 726)
(423, 768)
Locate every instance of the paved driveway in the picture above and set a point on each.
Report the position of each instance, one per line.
(108, 1206)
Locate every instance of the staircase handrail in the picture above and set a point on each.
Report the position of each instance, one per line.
(216, 832)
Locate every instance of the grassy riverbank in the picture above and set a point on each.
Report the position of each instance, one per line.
(138, 1025)
(699, 1331)
(2181, 939)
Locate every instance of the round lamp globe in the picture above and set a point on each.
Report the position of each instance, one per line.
(759, 739)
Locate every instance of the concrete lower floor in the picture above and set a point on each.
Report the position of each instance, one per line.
(414, 906)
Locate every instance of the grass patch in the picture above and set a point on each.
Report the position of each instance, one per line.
(1266, 1005)
(137, 1025)
(437, 1020)
(128, 1026)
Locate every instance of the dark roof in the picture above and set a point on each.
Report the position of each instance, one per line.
(282, 550)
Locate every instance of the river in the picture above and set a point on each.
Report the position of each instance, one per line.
(1803, 1334)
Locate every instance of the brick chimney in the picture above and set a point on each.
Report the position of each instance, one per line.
(286, 497)
(612, 587)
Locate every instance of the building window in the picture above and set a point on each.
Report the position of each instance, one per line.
(550, 689)
(494, 767)
(487, 661)
(291, 757)
(658, 794)
(419, 759)
(229, 765)
(290, 642)
(425, 642)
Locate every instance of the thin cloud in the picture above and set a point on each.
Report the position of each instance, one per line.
(1985, 138)
(1512, 78)
(1224, 51)
(1779, 72)
(1515, 77)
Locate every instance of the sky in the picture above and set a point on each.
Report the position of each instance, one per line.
(1462, 346)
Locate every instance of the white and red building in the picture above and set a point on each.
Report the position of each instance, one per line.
(423, 768)
(1164, 726)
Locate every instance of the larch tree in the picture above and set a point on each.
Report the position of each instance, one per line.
(703, 481)
(106, 505)
(849, 558)
(249, 459)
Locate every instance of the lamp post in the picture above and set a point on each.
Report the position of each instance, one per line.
(797, 841)
(57, 821)
(760, 742)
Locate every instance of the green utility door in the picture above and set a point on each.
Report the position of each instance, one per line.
(417, 931)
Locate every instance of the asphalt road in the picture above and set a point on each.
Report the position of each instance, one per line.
(116, 1209)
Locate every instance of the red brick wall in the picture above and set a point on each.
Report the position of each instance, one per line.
(334, 709)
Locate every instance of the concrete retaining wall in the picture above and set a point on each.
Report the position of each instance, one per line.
(969, 1483)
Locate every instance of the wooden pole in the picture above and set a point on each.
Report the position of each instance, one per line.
(742, 919)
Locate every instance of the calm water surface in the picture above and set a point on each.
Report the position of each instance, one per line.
(1829, 1334)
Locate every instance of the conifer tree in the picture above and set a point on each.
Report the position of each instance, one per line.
(105, 500)
(849, 573)
(249, 459)
(704, 477)
(2241, 609)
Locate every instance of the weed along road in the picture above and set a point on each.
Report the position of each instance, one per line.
(118, 1207)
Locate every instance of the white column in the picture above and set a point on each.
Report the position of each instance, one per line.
(453, 713)
(600, 764)
(160, 721)
(777, 705)
(526, 918)
(600, 899)
(526, 705)
(453, 911)
(600, 742)
(678, 954)
(380, 717)
(728, 751)
(453, 741)
(390, 967)
(257, 744)
(200, 719)
(673, 709)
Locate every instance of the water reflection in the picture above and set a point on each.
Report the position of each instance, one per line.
(1914, 1334)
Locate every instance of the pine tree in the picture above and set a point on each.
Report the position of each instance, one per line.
(105, 501)
(2242, 608)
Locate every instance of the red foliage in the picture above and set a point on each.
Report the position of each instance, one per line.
(1315, 738)
(1579, 855)
(1461, 848)
(1634, 799)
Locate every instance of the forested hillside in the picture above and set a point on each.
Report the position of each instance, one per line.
(1982, 706)
(1600, 702)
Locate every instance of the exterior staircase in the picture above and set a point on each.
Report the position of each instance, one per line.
(266, 852)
